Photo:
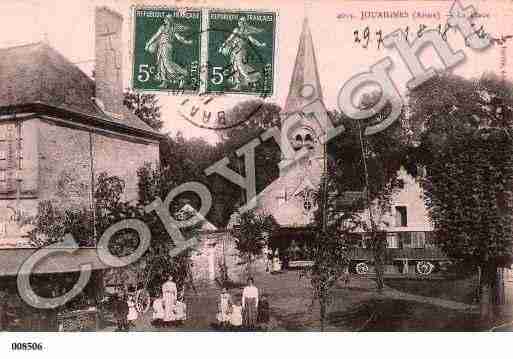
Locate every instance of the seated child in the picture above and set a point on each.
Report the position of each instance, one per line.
(276, 264)
(236, 315)
(263, 309)
(180, 311)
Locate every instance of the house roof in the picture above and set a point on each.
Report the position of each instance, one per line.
(38, 74)
(52, 261)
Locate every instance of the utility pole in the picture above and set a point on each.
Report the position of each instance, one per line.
(325, 185)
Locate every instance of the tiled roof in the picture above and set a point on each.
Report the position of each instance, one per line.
(37, 73)
(53, 261)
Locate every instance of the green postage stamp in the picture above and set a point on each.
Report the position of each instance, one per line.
(241, 52)
(238, 51)
(167, 49)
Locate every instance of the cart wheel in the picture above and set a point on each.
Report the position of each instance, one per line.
(425, 267)
(362, 268)
(142, 301)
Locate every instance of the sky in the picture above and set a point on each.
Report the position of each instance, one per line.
(68, 26)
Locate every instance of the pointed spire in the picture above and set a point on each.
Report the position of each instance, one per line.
(305, 85)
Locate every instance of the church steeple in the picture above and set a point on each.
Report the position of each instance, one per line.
(305, 85)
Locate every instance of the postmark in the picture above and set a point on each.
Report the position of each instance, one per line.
(207, 111)
(166, 49)
(241, 51)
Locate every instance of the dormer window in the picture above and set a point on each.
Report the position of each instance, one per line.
(298, 142)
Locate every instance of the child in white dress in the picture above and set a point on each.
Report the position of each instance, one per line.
(225, 308)
(180, 311)
(158, 311)
(236, 315)
(132, 311)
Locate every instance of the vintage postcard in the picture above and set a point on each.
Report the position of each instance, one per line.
(255, 166)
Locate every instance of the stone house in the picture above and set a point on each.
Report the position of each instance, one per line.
(59, 129)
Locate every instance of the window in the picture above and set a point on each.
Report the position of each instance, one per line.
(405, 239)
(11, 155)
(401, 216)
(309, 141)
(392, 240)
(418, 240)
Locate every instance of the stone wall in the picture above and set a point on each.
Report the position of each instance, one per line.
(65, 161)
(57, 165)
(119, 157)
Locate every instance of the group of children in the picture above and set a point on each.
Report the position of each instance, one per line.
(230, 314)
(177, 317)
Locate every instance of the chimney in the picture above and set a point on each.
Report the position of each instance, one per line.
(108, 61)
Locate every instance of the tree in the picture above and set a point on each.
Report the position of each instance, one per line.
(370, 165)
(464, 143)
(158, 261)
(252, 118)
(334, 219)
(251, 233)
(146, 107)
(53, 222)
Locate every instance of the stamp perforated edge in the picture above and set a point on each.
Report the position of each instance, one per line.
(131, 46)
(205, 10)
(275, 12)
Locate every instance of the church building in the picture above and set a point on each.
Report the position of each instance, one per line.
(290, 197)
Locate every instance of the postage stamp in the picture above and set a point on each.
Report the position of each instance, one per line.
(241, 51)
(166, 49)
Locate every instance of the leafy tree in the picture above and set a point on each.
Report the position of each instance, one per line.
(252, 118)
(464, 142)
(158, 261)
(370, 165)
(334, 219)
(52, 223)
(251, 233)
(184, 160)
(144, 106)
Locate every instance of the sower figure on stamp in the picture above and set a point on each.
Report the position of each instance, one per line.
(250, 305)
(169, 293)
(162, 43)
(236, 48)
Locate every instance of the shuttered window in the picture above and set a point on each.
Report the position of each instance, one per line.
(11, 149)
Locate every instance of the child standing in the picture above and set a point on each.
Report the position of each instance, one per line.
(132, 312)
(120, 311)
(158, 311)
(225, 308)
(263, 310)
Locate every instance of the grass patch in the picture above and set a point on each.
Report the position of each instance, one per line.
(459, 290)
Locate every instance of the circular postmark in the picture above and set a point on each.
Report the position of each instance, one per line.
(246, 73)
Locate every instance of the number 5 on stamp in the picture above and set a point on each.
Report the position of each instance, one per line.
(167, 49)
(241, 52)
